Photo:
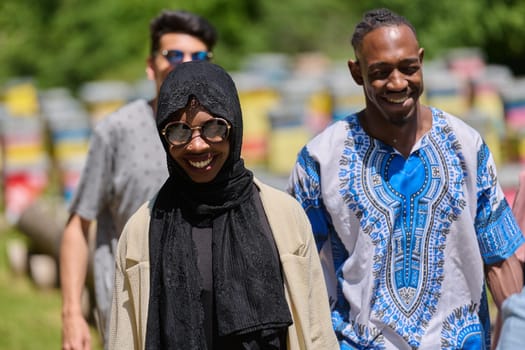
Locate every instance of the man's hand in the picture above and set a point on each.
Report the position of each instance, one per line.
(75, 332)
(518, 209)
(73, 268)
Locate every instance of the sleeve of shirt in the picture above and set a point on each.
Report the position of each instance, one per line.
(304, 184)
(94, 187)
(498, 232)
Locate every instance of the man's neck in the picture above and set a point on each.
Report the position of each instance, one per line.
(153, 104)
(402, 137)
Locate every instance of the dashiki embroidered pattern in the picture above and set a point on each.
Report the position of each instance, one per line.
(408, 235)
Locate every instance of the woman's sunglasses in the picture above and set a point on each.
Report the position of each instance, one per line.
(176, 57)
(213, 130)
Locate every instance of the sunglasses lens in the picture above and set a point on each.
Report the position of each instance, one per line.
(174, 57)
(215, 130)
(200, 56)
(178, 133)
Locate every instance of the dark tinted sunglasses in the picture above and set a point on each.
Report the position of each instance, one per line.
(175, 57)
(213, 130)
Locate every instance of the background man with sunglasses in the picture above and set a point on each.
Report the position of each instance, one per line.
(126, 165)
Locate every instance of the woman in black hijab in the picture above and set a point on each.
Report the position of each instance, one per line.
(217, 259)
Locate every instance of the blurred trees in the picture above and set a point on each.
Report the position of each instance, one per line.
(495, 26)
(68, 42)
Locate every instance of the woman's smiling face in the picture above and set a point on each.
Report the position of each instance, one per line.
(201, 160)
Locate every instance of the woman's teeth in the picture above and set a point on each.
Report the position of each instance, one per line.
(200, 164)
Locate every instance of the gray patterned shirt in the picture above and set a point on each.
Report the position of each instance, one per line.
(125, 166)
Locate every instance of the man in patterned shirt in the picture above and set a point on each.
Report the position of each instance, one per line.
(405, 201)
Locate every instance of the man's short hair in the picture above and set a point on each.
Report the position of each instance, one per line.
(181, 22)
(374, 19)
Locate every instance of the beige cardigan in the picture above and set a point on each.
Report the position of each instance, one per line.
(304, 284)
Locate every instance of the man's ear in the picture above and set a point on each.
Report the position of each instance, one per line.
(150, 71)
(355, 70)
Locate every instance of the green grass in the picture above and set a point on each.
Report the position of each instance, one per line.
(30, 316)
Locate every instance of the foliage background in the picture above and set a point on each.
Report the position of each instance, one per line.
(68, 42)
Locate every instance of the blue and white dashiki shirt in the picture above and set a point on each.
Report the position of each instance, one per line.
(408, 236)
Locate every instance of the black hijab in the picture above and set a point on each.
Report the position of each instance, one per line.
(247, 282)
